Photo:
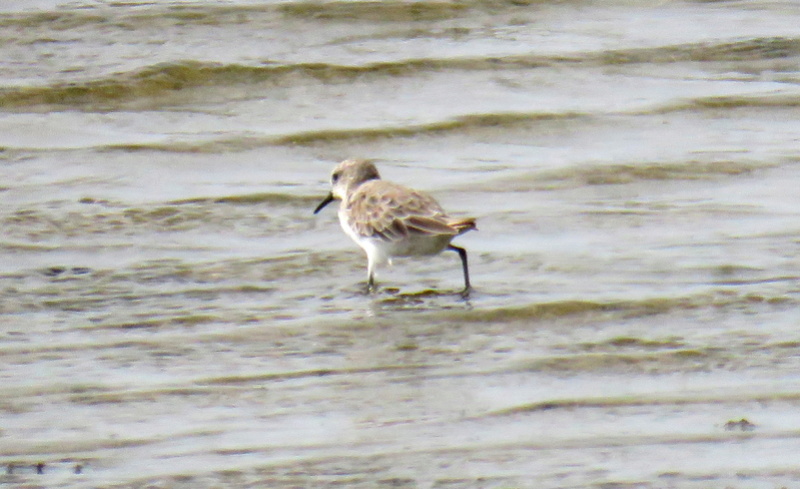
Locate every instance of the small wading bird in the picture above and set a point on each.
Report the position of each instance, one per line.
(388, 220)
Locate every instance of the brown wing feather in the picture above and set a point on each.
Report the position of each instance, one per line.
(392, 212)
(463, 225)
(428, 225)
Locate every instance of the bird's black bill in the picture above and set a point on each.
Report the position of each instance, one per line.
(325, 202)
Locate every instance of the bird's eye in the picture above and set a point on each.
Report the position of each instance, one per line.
(335, 177)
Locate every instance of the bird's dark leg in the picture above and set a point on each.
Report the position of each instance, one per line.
(371, 282)
(463, 254)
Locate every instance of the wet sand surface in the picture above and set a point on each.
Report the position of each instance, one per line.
(172, 315)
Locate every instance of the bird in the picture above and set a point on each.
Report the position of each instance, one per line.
(390, 220)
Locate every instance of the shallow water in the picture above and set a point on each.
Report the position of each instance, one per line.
(173, 315)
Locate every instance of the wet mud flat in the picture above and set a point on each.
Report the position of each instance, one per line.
(403, 389)
(173, 315)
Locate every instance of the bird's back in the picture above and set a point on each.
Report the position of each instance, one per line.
(378, 208)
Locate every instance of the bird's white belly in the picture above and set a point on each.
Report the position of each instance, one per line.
(381, 250)
(418, 245)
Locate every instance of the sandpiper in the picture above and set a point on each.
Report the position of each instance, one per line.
(388, 220)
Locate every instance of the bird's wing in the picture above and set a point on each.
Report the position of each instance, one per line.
(392, 212)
